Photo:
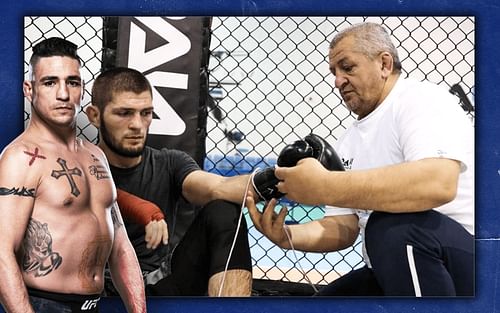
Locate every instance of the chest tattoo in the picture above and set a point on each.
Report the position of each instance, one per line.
(69, 175)
(98, 171)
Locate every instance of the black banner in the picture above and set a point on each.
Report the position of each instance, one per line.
(173, 54)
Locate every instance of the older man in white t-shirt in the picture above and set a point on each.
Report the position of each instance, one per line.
(408, 188)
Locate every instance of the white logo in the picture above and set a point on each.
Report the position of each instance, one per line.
(89, 304)
(178, 44)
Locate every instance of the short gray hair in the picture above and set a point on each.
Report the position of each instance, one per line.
(371, 39)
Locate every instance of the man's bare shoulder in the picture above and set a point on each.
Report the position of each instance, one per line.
(22, 153)
(94, 150)
(25, 151)
(21, 167)
(91, 147)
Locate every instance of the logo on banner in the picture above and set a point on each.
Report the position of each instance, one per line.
(177, 44)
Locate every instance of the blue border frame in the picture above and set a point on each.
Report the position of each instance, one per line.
(486, 12)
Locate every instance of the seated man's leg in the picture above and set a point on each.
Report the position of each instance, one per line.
(420, 254)
(223, 217)
(359, 282)
(199, 259)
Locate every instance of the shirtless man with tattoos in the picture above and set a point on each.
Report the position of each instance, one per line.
(59, 221)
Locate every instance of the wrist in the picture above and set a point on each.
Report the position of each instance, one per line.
(286, 240)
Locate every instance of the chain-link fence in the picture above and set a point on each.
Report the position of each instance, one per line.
(271, 83)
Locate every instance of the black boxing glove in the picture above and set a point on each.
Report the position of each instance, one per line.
(324, 153)
(312, 146)
(264, 182)
(292, 153)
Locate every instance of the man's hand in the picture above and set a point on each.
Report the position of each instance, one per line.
(156, 233)
(269, 223)
(303, 183)
(265, 182)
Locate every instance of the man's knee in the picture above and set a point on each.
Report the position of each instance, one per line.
(222, 219)
(222, 215)
(233, 283)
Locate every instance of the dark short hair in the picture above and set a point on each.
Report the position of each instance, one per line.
(116, 80)
(54, 46)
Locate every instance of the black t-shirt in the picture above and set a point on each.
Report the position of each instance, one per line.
(158, 178)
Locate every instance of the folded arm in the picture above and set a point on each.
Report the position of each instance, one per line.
(406, 187)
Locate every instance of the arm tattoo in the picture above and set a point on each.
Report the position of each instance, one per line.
(114, 217)
(38, 255)
(24, 192)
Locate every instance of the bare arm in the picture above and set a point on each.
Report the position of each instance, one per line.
(17, 196)
(124, 267)
(201, 187)
(406, 187)
(330, 233)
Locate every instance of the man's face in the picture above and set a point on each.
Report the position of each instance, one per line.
(359, 79)
(125, 122)
(55, 90)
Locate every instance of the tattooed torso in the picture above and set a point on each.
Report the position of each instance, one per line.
(66, 198)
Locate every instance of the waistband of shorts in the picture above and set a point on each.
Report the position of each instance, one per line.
(63, 297)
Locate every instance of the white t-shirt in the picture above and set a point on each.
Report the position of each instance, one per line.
(417, 120)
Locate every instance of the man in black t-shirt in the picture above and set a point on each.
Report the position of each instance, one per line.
(198, 264)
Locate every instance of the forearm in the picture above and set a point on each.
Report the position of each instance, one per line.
(408, 187)
(13, 294)
(201, 187)
(233, 188)
(324, 235)
(127, 278)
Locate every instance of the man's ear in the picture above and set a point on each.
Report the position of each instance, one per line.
(28, 90)
(94, 115)
(83, 89)
(387, 63)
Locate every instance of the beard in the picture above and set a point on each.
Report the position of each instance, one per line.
(115, 146)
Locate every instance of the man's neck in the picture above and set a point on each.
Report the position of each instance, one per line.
(117, 160)
(61, 135)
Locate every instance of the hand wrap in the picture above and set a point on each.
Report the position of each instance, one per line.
(137, 209)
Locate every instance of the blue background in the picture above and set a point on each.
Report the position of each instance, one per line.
(487, 13)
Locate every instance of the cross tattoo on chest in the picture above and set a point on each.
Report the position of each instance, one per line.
(69, 175)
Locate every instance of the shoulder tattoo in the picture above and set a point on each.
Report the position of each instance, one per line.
(33, 156)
